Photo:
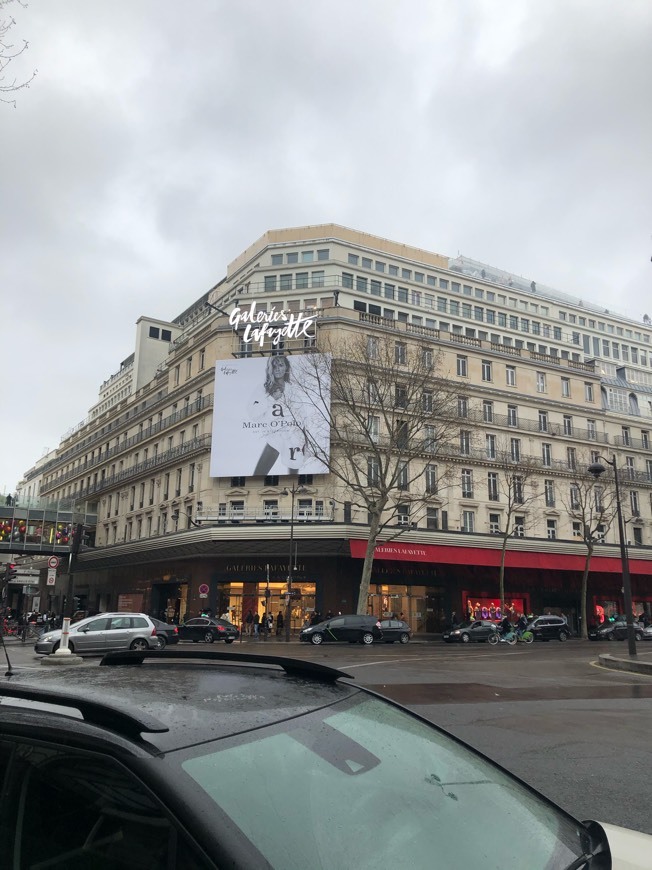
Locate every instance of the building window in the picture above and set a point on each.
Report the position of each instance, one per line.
(202, 359)
(270, 283)
(372, 347)
(427, 358)
(634, 504)
(373, 427)
(492, 486)
(645, 440)
(517, 489)
(462, 366)
(512, 415)
(177, 375)
(189, 367)
(543, 421)
(236, 482)
(430, 475)
(432, 519)
(490, 446)
(541, 382)
(626, 436)
(400, 353)
(591, 430)
(486, 370)
(515, 449)
(568, 425)
(467, 483)
(494, 524)
(373, 471)
(550, 493)
(468, 522)
(565, 387)
(402, 434)
(519, 527)
(551, 528)
(465, 442)
(488, 412)
(462, 406)
(638, 536)
(574, 497)
(510, 376)
(429, 438)
(271, 480)
(400, 396)
(403, 515)
(571, 458)
(546, 455)
(403, 475)
(427, 401)
(588, 393)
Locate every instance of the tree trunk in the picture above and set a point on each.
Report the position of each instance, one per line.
(584, 631)
(365, 579)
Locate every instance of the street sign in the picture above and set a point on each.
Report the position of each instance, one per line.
(52, 576)
(53, 562)
(203, 590)
(203, 594)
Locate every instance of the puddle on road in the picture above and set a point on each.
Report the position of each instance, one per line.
(474, 693)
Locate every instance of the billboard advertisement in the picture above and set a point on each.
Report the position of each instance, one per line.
(271, 416)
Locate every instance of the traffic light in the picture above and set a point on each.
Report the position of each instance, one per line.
(77, 537)
(11, 571)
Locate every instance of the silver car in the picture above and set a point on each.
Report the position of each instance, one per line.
(101, 633)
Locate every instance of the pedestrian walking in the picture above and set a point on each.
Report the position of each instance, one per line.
(256, 624)
(249, 623)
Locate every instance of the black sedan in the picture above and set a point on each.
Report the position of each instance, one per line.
(474, 630)
(208, 629)
(165, 633)
(395, 630)
(616, 630)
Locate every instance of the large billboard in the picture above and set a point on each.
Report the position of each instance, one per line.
(271, 416)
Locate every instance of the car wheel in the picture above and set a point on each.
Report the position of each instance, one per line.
(563, 636)
(229, 639)
(316, 638)
(56, 647)
(639, 635)
(611, 636)
(208, 637)
(161, 641)
(140, 643)
(405, 637)
(465, 638)
(367, 638)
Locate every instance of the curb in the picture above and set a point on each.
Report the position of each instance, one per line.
(634, 666)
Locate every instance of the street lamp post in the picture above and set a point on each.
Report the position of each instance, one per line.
(288, 606)
(597, 469)
(191, 522)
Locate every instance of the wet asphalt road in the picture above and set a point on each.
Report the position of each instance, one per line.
(578, 733)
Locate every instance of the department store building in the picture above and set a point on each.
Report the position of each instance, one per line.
(188, 520)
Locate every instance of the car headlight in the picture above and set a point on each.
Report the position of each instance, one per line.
(457, 631)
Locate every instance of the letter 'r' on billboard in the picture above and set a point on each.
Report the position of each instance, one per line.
(271, 416)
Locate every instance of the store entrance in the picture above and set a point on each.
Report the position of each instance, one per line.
(170, 602)
(422, 607)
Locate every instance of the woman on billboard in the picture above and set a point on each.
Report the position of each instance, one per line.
(285, 438)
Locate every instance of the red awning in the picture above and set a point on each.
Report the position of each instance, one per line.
(449, 555)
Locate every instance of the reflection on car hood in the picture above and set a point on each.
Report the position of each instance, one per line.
(630, 850)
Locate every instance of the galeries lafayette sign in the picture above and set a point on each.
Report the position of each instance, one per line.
(275, 325)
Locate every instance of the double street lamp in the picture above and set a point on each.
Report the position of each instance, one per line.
(288, 598)
(597, 469)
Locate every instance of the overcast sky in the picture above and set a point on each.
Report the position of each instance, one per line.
(161, 138)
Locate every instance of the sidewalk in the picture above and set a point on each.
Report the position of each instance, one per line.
(642, 664)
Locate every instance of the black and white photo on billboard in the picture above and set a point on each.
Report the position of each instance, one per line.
(267, 420)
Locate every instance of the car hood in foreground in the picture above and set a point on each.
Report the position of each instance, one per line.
(630, 850)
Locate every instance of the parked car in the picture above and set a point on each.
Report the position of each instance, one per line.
(473, 630)
(208, 629)
(549, 627)
(617, 630)
(106, 631)
(165, 633)
(353, 627)
(154, 761)
(395, 630)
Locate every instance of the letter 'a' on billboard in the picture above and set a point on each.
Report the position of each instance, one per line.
(271, 416)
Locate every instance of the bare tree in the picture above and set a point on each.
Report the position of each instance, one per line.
(591, 507)
(392, 411)
(9, 51)
(514, 486)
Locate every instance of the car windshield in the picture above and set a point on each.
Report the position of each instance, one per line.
(364, 784)
(467, 624)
